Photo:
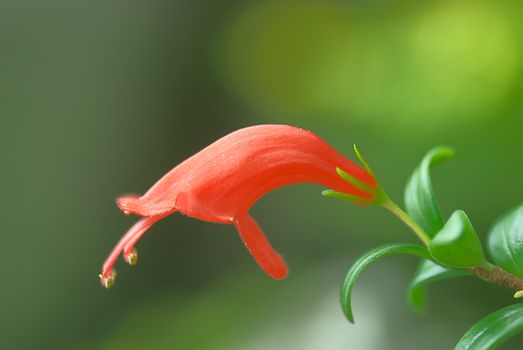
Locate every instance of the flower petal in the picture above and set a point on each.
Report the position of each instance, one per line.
(226, 178)
(133, 204)
(260, 248)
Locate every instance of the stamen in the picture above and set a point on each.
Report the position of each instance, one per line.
(132, 257)
(108, 280)
(260, 248)
(126, 244)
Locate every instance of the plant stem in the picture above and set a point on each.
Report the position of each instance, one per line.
(400, 214)
(500, 277)
(489, 272)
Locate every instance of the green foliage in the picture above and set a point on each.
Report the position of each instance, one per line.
(420, 201)
(493, 330)
(505, 242)
(427, 273)
(457, 243)
(421, 205)
(364, 261)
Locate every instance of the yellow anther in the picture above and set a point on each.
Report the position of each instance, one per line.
(108, 281)
(132, 258)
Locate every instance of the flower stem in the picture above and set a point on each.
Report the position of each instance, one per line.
(400, 214)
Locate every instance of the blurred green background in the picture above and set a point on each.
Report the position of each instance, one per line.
(101, 98)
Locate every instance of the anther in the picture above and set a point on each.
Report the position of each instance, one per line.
(132, 257)
(108, 281)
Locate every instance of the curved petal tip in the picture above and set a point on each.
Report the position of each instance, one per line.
(128, 204)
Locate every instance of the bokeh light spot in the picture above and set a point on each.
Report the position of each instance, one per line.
(467, 56)
(422, 68)
(291, 57)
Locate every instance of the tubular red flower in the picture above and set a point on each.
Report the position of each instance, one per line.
(224, 180)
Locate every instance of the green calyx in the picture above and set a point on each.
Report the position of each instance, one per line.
(363, 161)
(378, 195)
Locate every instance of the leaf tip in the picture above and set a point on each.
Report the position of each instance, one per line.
(347, 310)
(417, 299)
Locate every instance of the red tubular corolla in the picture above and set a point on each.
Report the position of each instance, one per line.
(224, 180)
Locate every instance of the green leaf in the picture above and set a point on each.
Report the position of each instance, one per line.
(427, 273)
(420, 201)
(493, 330)
(457, 244)
(421, 205)
(366, 259)
(505, 241)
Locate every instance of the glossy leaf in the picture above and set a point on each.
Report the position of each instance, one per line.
(427, 273)
(493, 330)
(505, 241)
(421, 205)
(420, 201)
(364, 261)
(457, 243)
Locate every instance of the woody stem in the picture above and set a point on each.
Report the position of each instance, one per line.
(499, 276)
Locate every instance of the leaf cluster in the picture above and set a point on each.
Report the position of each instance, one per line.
(454, 250)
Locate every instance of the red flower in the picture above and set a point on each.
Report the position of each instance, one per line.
(223, 181)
